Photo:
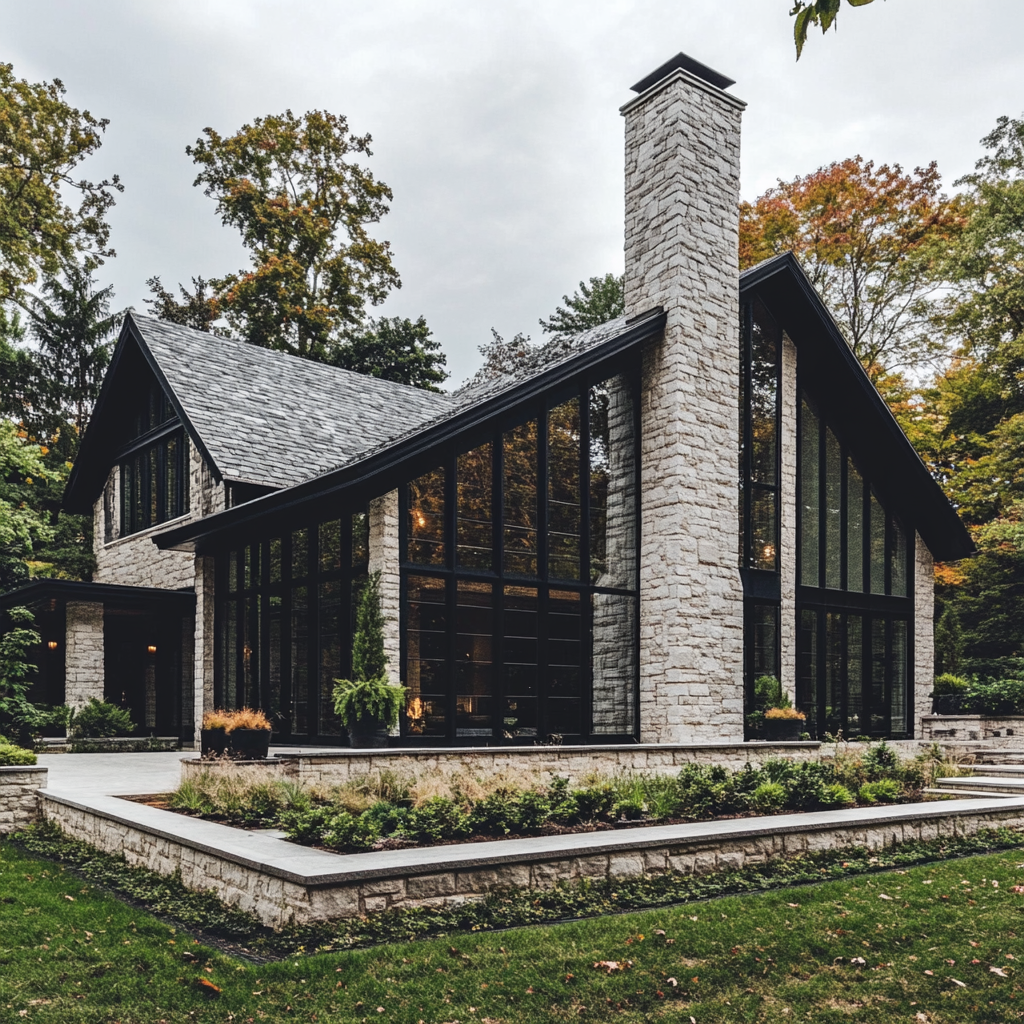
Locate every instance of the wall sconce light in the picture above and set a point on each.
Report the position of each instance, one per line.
(151, 648)
(52, 644)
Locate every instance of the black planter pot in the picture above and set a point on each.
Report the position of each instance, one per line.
(947, 704)
(213, 741)
(782, 730)
(249, 744)
(367, 733)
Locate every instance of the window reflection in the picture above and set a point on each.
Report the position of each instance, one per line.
(564, 491)
(426, 519)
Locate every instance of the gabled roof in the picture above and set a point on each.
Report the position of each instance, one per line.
(380, 467)
(836, 378)
(258, 416)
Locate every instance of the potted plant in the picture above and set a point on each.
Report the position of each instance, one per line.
(213, 736)
(248, 734)
(367, 704)
(784, 724)
(767, 694)
(948, 694)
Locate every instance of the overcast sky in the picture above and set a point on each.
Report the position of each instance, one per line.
(497, 124)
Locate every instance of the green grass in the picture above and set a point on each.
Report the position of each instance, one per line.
(69, 952)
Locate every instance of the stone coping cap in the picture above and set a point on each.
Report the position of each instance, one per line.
(590, 748)
(312, 868)
(988, 718)
(22, 768)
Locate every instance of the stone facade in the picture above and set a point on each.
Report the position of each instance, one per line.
(364, 883)
(1005, 733)
(384, 558)
(682, 232)
(788, 443)
(19, 801)
(83, 657)
(203, 642)
(924, 632)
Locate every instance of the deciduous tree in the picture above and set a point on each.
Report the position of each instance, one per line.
(293, 188)
(596, 302)
(397, 349)
(198, 308)
(868, 238)
(816, 12)
(50, 218)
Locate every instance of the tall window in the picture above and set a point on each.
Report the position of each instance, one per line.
(760, 471)
(854, 601)
(285, 613)
(154, 466)
(519, 578)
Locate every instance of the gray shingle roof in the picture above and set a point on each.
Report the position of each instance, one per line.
(273, 419)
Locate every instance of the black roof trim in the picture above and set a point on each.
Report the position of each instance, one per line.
(284, 502)
(685, 63)
(784, 286)
(105, 593)
(93, 456)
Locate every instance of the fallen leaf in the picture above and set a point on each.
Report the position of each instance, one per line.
(973, 943)
(950, 962)
(207, 986)
(612, 965)
(956, 981)
(672, 982)
(882, 896)
(792, 904)
(659, 931)
(859, 960)
(999, 971)
(67, 897)
(931, 974)
(1017, 888)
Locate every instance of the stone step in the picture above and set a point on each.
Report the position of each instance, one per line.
(984, 783)
(1013, 770)
(964, 793)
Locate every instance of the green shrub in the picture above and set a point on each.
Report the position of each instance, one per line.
(949, 685)
(192, 798)
(884, 791)
(995, 697)
(437, 819)
(882, 762)
(12, 756)
(837, 795)
(595, 803)
(389, 818)
(100, 719)
(768, 694)
(345, 831)
(307, 826)
(768, 798)
(629, 809)
(807, 784)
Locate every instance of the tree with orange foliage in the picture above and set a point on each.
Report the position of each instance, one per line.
(868, 237)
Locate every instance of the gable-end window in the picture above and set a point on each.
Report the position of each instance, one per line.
(154, 466)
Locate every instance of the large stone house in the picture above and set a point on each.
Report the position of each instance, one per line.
(608, 545)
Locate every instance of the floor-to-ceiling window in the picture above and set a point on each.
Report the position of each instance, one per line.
(519, 577)
(854, 600)
(760, 492)
(285, 606)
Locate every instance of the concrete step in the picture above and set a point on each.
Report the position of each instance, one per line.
(984, 783)
(1011, 770)
(964, 793)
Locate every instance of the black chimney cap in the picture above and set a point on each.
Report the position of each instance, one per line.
(680, 60)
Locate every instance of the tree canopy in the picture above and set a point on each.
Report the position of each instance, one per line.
(869, 238)
(594, 303)
(397, 349)
(816, 12)
(292, 187)
(43, 140)
(196, 309)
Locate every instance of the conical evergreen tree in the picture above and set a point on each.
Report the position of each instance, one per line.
(368, 658)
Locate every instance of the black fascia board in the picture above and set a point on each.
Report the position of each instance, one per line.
(854, 405)
(111, 594)
(97, 452)
(362, 480)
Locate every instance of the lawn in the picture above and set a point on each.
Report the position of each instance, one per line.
(936, 943)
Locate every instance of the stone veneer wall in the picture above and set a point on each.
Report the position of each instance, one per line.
(202, 650)
(924, 633)
(788, 554)
(384, 558)
(361, 884)
(134, 560)
(682, 232)
(19, 802)
(574, 763)
(83, 653)
(1000, 733)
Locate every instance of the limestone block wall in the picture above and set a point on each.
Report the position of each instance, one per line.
(19, 802)
(83, 655)
(134, 560)
(924, 632)
(384, 558)
(682, 230)
(202, 650)
(787, 517)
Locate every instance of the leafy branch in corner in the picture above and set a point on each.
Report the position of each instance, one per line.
(818, 12)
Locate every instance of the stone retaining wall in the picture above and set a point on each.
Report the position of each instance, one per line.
(19, 801)
(574, 763)
(996, 732)
(285, 884)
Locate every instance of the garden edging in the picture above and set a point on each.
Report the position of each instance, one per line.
(282, 883)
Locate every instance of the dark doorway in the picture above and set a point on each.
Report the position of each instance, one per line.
(143, 669)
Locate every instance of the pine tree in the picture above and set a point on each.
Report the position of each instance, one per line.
(368, 658)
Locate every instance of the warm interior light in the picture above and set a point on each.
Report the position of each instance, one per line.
(769, 552)
(52, 644)
(151, 648)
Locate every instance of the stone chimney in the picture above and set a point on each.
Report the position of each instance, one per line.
(682, 236)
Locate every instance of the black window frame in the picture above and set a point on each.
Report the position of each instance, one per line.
(543, 580)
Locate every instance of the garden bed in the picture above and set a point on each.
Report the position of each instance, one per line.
(387, 811)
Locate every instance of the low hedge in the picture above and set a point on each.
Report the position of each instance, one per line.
(12, 756)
